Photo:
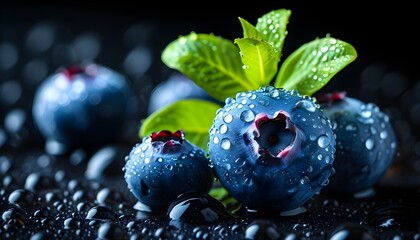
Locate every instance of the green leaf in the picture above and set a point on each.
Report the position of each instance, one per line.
(313, 65)
(259, 59)
(249, 31)
(212, 62)
(273, 26)
(193, 116)
(220, 193)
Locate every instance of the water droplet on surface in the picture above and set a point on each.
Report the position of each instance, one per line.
(369, 144)
(262, 229)
(225, 144)
(247, 116)
(306, 104)
(228, 118)
(223, 129)
(323, 141)
(197, 208)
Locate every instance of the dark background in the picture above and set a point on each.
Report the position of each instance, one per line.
(129, 37)
(385, 32)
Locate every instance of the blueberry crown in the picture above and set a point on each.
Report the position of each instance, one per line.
(168, 136)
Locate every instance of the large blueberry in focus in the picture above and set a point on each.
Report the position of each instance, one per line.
(83, 105)
(164, 166)
(272, 149)
(366, 142)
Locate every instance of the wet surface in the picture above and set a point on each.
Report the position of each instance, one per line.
(50, 191)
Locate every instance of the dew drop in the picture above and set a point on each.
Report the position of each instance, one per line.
(247, 116)
(306, 104)
(223, 128)
(216, 140)
(369, 144)
(350, 127)
(228, 118)
(383, 135)
(304, 180)
(225, 143)
(323, 141)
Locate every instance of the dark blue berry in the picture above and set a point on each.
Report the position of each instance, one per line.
(366, 142)
(176, 87)
(84, 104)
(272, 148)
(164, 166)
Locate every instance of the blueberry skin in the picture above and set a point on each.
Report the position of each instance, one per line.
(366, 143)
(176, 87)
(164, 166)
(83, 105)
(271, 148)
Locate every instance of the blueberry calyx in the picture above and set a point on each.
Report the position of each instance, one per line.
(273, 137)
(72, 71)
(170, 141)
(332, 97)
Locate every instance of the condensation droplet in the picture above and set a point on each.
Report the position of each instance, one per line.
(304, 180)
(323, 141)
(247, 116)
(306, 104)
(369, 144)
(383, 135)
(319, 157)
(223, 128)
(225, 144)
(228, 118)
(350, 127)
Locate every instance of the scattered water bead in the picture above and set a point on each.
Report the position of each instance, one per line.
(351, 230)
(23, 198)
(197, 208)
(395, 216)
(111, 230)
(262, 229)
(109, 197)
(106, 162)
(101, 213)
(37, 182)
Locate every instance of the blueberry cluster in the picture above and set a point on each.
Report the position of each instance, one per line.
(272, 149)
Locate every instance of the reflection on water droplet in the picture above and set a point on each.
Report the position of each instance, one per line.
(323, 141)
(228, 118)
(369, 144)
(306, 104)
(223, 128)
(351, 127)
(215, 140)
(304, 180)
(247, 116)
(225, 144)
(383, 135)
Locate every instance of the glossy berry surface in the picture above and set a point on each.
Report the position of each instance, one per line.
(366, 142)
(165, 165)
(84, 104)
(272, 148)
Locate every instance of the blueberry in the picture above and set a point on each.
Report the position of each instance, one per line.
(83, 105)
(271, 148)
(165, 165)
(366, 142)
(176, 87)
